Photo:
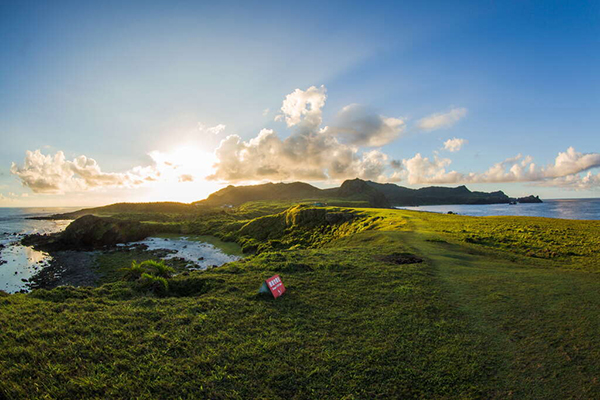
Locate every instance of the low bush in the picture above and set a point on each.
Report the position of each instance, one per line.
(154, 284)
(150, 267)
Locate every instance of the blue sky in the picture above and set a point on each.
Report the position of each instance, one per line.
(136, 89)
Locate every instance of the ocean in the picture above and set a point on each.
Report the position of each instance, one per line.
(19, 263)
(563, 208)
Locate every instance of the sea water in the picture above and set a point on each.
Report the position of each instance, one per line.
(19, 263)
(564, 208)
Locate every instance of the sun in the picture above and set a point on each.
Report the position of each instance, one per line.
(183, 174)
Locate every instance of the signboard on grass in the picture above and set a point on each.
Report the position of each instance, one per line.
(273, 285)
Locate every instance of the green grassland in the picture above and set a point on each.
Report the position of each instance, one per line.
(499, 307)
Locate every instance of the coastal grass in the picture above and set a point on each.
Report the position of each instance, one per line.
(572, 243)
(110, 265)
(389, 304)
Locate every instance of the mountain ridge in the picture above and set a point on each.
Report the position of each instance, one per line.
(377, 194)
(352, 192)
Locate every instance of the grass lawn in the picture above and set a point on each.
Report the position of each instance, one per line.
(481, 317)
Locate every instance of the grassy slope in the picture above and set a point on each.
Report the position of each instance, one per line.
(483, 316)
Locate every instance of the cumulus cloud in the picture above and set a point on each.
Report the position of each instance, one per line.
(304, 107)
(572, 162)
(442, 120)
(455, 144)
(357, 125)
(309, 153)
(304, 157)
(213, 130)
(576, 181)
(55, 174)
(563, 172)
(419, 169)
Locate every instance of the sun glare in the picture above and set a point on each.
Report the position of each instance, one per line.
(183, 175)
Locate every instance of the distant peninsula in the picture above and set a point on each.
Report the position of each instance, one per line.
(351, 193)
(377, 194)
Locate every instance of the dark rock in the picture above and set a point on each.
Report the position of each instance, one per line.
(530, 199)
(91, 232)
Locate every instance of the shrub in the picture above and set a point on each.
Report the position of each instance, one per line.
(154, 284)
(157, 268)
(150, 267)
(132, 273)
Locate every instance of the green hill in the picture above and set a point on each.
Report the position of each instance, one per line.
(236, 195)
(125, 208)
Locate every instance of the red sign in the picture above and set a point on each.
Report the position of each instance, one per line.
(275, 286)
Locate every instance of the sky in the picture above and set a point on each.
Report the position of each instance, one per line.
(102, 102)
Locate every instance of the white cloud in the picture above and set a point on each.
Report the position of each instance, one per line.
(576, 181)
(305, 157)
(266, 112)
(442, 120)
(357, 125)
(309, 153)
(421, 169)
(572, 162)
(304, 107)
(55, 174)
(455, 144)
(213, 130)
(563, 172)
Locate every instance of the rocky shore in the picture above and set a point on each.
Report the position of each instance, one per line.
(81, 267)
(69, 267)
(1, 260)
(75, 250)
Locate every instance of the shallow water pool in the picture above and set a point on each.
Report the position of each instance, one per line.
(194, 249)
